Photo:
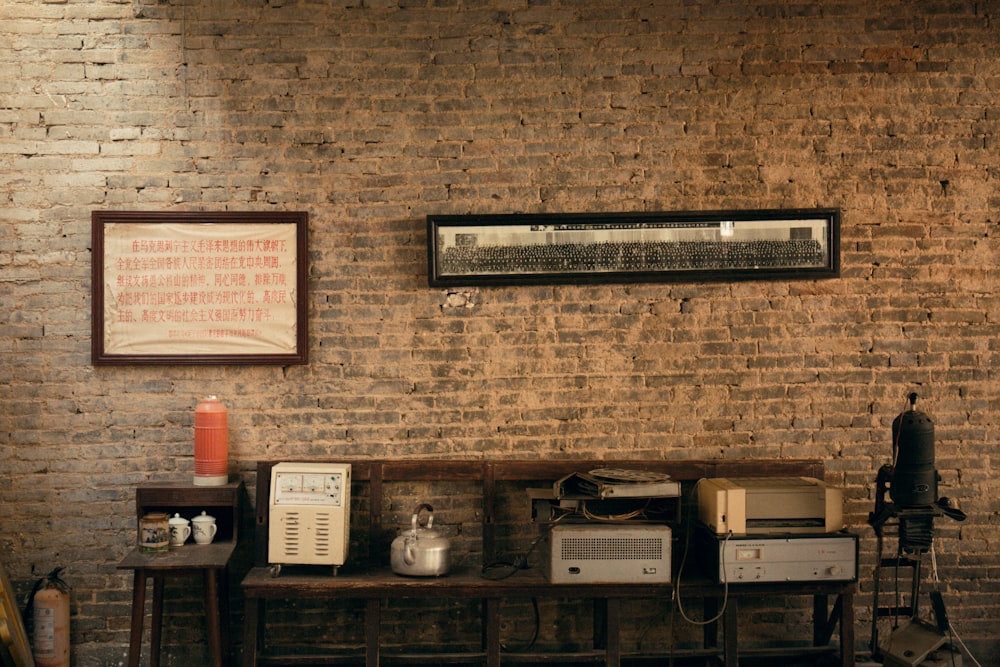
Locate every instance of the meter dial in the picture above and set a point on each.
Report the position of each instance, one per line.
(312, 483)
(289, 483)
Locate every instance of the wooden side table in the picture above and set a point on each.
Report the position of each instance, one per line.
(209, 561)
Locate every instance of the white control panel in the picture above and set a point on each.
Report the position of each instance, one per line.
(297, 487)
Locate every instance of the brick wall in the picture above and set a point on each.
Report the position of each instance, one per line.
(372, 114)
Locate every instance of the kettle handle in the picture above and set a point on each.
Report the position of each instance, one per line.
(414, 522)
(409, 553)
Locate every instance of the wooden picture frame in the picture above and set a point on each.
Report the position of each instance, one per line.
(778, 244)
(199, 288)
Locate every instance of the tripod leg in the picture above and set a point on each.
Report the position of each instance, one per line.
(873, 644)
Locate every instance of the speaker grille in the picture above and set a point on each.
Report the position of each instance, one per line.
(613, 548)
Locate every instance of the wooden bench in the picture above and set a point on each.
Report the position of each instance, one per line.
(374, 583)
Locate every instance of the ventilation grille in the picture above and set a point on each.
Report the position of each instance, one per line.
(292, 538)
(321, 538)
(613, 548)
(296, 540)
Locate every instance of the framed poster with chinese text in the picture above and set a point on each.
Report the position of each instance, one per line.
(199, 288)
(674, 246)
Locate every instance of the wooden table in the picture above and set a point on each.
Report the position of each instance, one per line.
(208, 561)
(374, 587)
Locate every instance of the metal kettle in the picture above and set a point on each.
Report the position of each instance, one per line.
(421, 551)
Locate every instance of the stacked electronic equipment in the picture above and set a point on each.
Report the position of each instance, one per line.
(609, 526)
(774, 529)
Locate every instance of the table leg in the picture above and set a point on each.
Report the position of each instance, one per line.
(612, 632)
(253, 633)
(710, 631)
(224, 614)
(600, 623)
(212, 616)
(373, 628)
(847, 629)
(822, 620)
(491, 631)
(138, 617)
(156, 623)
(730, 642)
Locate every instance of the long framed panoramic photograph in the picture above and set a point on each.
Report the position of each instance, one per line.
(633, 247)
(199, 288)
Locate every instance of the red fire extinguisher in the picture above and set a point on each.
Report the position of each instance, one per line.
(48, 610)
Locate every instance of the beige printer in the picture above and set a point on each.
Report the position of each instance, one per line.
(769, 505)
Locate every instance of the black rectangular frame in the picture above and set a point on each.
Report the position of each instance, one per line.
(187, 222)
(689, 246)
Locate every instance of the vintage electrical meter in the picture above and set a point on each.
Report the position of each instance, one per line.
(309, 514)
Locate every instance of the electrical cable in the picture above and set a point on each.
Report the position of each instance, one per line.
(965, 649)
(614, 517)
(534, 634)
(952, 634)
(676, 594)
(500, 569)
(517, 562)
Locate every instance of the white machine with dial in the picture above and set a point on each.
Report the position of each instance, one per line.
(309, 514)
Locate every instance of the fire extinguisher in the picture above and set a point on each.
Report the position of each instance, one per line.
(48, 610)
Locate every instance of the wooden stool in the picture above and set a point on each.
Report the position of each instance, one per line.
(208, 561)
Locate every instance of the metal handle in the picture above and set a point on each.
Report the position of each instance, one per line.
(414, 521)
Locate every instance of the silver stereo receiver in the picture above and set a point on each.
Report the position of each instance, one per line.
(592, 553)
(780, 558)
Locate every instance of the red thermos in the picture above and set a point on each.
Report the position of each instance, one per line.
(211, 443)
